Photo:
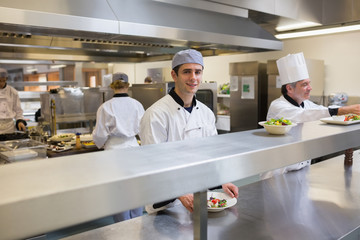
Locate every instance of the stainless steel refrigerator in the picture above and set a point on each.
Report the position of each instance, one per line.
(248, 95)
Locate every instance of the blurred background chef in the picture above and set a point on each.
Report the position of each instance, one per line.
(118, 119)
(117, 124)
(10, 107)
(294, 104)
(148, 80)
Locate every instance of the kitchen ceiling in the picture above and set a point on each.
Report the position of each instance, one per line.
(153, 30)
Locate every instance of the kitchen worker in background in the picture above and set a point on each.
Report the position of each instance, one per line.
(180, 116)
(10, 107)
(117, 124)
(294, 104)
(148, 80)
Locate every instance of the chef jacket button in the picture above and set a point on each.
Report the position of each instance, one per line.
(178, 108)
(197, 107)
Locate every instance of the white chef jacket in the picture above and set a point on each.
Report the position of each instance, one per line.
(117, 122)
(10, 109)
(168, 121)
(282, 108)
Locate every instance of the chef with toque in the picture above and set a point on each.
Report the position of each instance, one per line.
(294, 104)
(10, 108)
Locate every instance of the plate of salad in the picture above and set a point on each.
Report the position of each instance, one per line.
(346, 119)
(219, 201)
(278, 125)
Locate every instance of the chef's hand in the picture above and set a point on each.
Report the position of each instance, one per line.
(355, 109)
(231, 190)
(188, 201)
(21, 126)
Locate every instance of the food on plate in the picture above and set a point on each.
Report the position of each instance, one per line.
(62, 137)
(351, 117)
(88, 143)
(278, 122)
(216, 203)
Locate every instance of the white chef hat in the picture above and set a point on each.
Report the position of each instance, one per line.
(187, 56)
(292, 68)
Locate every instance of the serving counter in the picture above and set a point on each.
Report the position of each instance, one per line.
(319, 202)
(42, 196)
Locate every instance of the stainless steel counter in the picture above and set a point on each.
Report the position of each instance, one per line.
(319, 202)
(46, 195)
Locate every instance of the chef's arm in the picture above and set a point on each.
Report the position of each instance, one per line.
(21, 125)
(355, 109)
(188, 199)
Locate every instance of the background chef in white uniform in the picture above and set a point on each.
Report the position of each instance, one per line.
(117, 124)
(10, 107)
(294, 104)
(180, 116)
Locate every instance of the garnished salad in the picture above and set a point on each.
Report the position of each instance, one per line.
(351, 117)
(216, 203)
(278, 122)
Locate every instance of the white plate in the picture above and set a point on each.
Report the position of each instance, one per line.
(62, 137)
(62, 149)
(229, 201)
(332, 121)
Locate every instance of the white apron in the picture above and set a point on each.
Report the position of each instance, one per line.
(117, 142)
(6, 123)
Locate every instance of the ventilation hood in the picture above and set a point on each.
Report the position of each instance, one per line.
(125, 30)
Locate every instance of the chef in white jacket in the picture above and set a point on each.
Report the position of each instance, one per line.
(117, 124)
(180, 116)
(294, 104)
(10, 107)
(118, 119)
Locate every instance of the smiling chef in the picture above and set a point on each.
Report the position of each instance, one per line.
(10, 107)
(180, 116)
(294, 104)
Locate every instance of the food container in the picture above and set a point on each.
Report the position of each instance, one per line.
(277, 129)
(22, 149)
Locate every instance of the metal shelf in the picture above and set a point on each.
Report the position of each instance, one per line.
(50, 83)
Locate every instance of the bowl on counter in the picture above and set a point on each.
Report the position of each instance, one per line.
(277, 129)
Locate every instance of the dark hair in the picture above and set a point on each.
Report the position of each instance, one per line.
(284, 90)
(176, 69)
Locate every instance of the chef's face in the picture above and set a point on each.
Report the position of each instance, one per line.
(188, 79)
(2, 82)
(301, 92)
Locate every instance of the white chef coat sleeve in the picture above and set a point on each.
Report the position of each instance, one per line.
(17, 107)
(311, 112)
(102, 130)
(153, 128)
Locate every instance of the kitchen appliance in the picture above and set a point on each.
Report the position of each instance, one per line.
(338, 99)
(71, 108)
(147, 94)
(248, 95)
(316, 74)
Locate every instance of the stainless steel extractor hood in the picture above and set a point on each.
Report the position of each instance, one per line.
(125, 30)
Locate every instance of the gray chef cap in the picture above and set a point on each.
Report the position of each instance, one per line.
(3, 73)
(120, 76)
(187, 56)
